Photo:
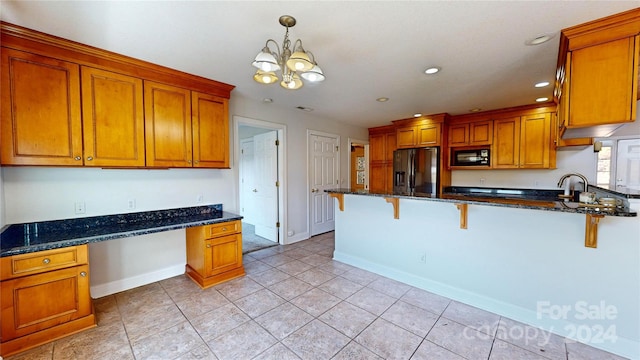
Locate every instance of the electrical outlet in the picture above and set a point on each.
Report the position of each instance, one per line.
(481, 181)
(200, 198)
(131, 204)
(80, 207)
(423, 258)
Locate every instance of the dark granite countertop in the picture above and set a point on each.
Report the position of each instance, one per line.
(30, 237)
(537, 199)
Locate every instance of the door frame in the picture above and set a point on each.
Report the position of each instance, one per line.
(282, 166)
(310, 133)
(350, 142)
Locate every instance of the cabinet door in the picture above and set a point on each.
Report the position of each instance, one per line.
(535, 141)
(390, 146)
(223, 254)
(167, 124)
(603, 83)
(37, 302)
(377, 148)
(378, 177)
(113, 119)
(459, 135)
(481, 133)
(41, 120)
(210, 123)
(506, 144)
(406, 137)
(428, 135)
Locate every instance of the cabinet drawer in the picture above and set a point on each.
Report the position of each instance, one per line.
(223, 229)
(42, 261)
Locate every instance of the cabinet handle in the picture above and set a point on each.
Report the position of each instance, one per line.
(196, 162)
(46, 261)
(77, 158)
(89, 158)
(83, 273)
(224, 229)
(208, 245)
(188, 161)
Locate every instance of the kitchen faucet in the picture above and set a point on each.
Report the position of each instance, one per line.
(566, 176)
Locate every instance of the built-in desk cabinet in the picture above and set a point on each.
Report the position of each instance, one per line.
(67, 104)
(44, 296)
(214, 253)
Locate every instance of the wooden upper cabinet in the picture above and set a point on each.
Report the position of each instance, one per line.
(535, 141)
(382, 144)
(459, 134)
(471, 134)
(113, 119)
(418, 135)
(506, 145)
(428, 135)
(168, 130)
(41, 119)
(210, 131)
(377, 148)
(603, 83)
(597, 75)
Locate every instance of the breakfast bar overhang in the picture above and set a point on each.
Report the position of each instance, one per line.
(516, 261)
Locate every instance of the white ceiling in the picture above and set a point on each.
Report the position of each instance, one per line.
(367, 49)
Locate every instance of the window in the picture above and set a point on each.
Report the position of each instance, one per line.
(618, 164)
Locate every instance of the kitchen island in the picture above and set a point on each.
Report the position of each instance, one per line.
(519, 260)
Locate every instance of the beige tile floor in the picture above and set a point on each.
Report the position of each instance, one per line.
(297, 303)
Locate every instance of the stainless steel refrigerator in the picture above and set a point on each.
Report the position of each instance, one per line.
(416, 171)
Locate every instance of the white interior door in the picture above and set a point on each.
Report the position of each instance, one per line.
(265, 156)
(323, 151)
(247, 178)
(628, 164)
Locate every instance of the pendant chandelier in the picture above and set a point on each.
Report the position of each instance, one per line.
(294, 63)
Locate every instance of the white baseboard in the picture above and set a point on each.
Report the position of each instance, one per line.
(297, 237)
(622, 346)
(100, 290)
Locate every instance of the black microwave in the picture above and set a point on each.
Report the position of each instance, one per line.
(470, 157)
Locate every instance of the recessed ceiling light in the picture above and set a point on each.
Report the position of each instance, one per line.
(539, 39)
(417, 115)
(542, 84)
(475, 110)
(432, 70)
(304, 108)
(542, 99)
(382, 99)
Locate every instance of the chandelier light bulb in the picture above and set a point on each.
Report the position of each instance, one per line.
(293, 61)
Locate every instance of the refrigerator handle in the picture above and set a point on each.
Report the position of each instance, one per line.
(412, 171)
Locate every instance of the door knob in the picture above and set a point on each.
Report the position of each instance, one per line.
(255, 190)
(314, 190)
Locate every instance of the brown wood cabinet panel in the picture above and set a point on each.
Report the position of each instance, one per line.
(210, 131)
(377, 148)
(379, 176)
(428, 135)
(481, 133)
(406, 137)
(113, 119)
(535, 141)
(601, 81)
(223, 254)
(41, 120)
(459, 135)
(506, 149)
(168, 131)
(38, 302)
(42, 261)
(390, 146)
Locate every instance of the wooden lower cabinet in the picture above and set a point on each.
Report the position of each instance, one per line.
(214, 253)
(44, 296)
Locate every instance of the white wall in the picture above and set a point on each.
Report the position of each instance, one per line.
(49, 193)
